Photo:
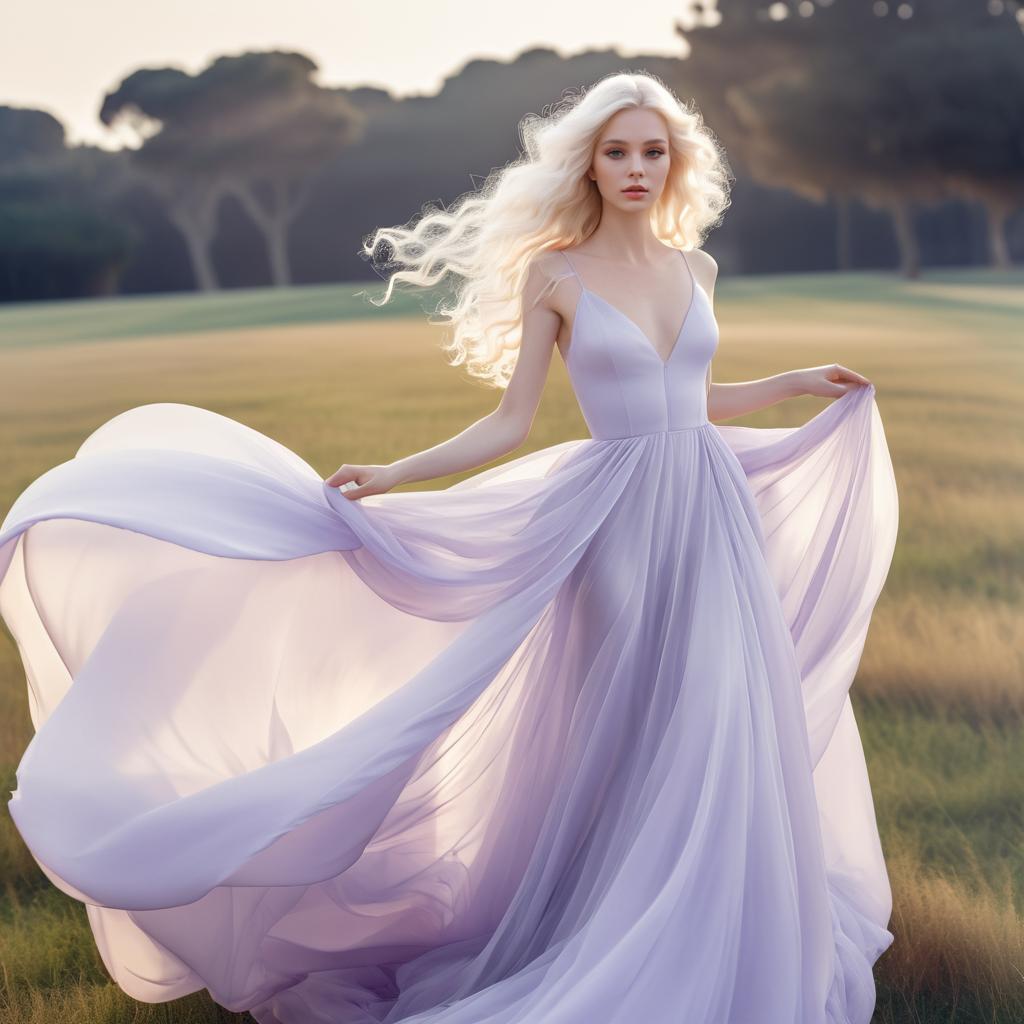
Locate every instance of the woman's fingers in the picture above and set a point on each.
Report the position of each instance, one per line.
(355, 481)
(342, 475)
(844, 373)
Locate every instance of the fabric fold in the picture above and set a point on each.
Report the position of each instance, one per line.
(481, 754)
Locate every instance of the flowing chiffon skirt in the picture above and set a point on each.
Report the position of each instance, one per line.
(567, 742)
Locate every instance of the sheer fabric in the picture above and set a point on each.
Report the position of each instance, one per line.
(570, 740)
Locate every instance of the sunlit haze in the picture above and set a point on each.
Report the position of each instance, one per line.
(63, 57)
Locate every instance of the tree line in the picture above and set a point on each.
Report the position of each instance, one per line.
(841, 127)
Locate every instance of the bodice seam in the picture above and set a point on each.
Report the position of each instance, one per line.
(651, 433)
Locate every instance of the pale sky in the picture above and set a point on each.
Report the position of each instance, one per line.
(63, 57)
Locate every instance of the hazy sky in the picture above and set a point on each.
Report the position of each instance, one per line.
(63, 57)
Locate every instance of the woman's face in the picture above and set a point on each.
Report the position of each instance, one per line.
(632, 149)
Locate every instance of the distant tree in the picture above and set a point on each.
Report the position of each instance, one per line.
(27, 133)
(838, 101)
(975, 120)
(57, 235)
(252, 126)
(828, 128)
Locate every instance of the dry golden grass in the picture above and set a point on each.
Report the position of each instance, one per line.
(960, 944)
(954, 654)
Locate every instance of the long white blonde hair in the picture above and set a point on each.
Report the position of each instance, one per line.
(543, 201)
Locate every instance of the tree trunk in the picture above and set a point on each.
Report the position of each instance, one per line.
(277, 251)
(906, 239)
(273, 222)
(998, 216)
(195, 216)
(844, 258)
(203, 269)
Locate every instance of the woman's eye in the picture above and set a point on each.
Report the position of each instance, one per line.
(660, 152)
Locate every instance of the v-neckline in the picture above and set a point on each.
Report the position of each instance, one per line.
(643, 334)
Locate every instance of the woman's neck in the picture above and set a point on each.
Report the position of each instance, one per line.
(624, 239)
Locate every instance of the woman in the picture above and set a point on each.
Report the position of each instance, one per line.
(569, 741)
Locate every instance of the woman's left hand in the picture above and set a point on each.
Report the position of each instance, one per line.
(828, 381)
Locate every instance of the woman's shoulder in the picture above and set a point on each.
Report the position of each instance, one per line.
(705, 268)
(550, 257)
(545, 271)
(704, 258)
(550, 266)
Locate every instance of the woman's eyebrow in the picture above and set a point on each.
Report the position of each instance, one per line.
(625, 143)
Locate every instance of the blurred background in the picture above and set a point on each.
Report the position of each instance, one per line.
(862, 133)
(184, 190)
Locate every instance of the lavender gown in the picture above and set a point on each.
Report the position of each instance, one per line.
(567, 742)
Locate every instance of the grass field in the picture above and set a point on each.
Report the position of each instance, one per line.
(940, 692)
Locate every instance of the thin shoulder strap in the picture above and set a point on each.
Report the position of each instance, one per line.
(687, 262)
(571, 267)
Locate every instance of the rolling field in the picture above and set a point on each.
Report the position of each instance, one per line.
(940, 691)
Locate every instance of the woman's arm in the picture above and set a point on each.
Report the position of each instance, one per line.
(726, 401)
(481, 442)
(491, 436)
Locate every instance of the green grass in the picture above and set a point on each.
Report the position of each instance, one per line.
(128, 317)
(940, 692)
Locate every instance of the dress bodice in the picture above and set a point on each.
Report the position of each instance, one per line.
(623, 385)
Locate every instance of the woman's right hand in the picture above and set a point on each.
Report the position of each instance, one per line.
(371, 480)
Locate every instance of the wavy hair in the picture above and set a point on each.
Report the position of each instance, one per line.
(545, 200)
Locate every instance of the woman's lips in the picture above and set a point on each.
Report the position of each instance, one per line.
(635, 191)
